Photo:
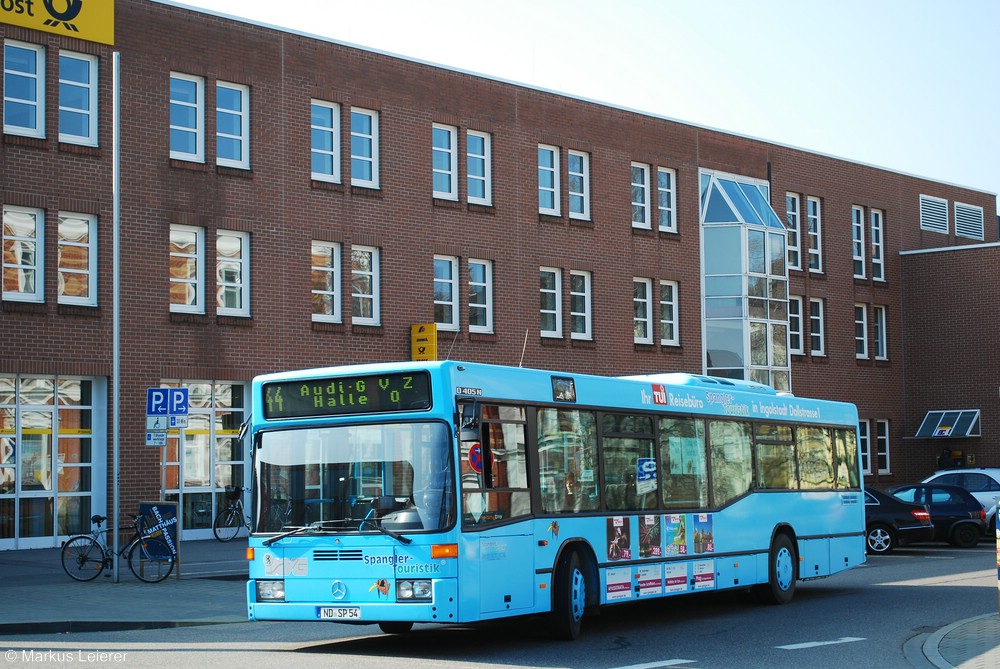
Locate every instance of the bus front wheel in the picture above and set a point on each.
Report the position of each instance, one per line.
(782, 573)
(569, 598)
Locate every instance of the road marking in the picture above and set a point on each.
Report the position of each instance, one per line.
(813, 644)
(654, 665)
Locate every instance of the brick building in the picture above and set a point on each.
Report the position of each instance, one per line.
(285, 201)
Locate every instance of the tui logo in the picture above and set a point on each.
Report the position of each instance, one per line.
(64, 17)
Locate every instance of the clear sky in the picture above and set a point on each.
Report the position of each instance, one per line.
(909, 85)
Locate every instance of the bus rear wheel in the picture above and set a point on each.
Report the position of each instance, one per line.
(569, 598)
(782, 573)
(395, 627)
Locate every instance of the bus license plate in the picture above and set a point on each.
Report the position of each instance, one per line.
(339, 613)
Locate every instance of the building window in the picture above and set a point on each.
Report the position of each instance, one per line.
(968, 221)
(815, 231)
(792, 226)
(878, 245)
(444, 140)
(446, 292)
(232, 273)
(642, 310)
(933, 214)
(881, 334)
(882, 445)
(364, 148)
(480, 296)
(860, 331)
(326, 282)
(640, 196)
(365, 285)
(580, 322)
(548, 180)
(669, 314)
(187, 116)
(325, 139)
(77, 98)
(816, 344)
(666, 199)
(864, 445)
(23, 254)
(795, 325)
(232, 125)
(550, 290)
(578, 167)
(478, 152)
(24, 89)
(858, 241)
(77, 259)
(187, 269)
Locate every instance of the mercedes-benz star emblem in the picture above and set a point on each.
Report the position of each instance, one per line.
(338, 590)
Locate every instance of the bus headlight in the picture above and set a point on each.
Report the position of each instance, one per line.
(413, 590)
(270, 591)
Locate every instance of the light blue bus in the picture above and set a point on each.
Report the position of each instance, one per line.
(455, 492)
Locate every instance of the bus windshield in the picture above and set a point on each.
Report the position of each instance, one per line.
(356, 478)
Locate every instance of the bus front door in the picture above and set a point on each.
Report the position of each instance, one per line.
(507, 572)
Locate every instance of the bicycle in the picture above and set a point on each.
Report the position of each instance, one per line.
(86, 556)
(227, 523)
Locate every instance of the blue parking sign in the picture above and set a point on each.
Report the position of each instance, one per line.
(166, 401)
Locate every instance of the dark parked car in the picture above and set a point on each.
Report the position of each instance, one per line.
(891, 522)
(958, 517)
(983, 483)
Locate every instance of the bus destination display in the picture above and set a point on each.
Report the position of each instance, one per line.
(375, 393)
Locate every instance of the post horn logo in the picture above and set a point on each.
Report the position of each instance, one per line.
(64, 17)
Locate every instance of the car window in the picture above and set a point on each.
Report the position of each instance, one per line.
(906, 495)
(948, 479)
(980, 483)
(870, 499)
(942, 497)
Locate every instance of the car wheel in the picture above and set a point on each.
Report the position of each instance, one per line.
(880, 539)
(965, 535)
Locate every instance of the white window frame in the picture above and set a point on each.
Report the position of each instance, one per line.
(242, 136)
(68, 247)
(795, 332)
(817, 343)
(552, 172)
(861, 331)
(373, 275)
(446, 291)
(640, 196)
(197, 282)
(670, 322)
(878, 244)
(581, 193)
(666, 199)
(556, 293)
(444, 160)
(199, 118)
(369, 139)
(37, 104)
(881, 324)
(581, 306)
(882, 445)
(814, 230)
(858, 241)
(642, 310)
(865, 446)
(485, 159)
(332, 132)
(13, 241)
(485, 288)
(934, 214)
(238, 283)
(793, 218)
(89, 89)
(332, 273)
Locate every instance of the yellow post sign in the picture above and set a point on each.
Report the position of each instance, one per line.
(91, 20)
(424, 341)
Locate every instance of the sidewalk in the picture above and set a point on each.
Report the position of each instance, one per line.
(211, 589)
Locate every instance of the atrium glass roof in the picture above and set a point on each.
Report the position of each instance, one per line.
(730, 201)
(950, 424)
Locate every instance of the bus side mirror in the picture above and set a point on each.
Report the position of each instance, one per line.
(468, 424)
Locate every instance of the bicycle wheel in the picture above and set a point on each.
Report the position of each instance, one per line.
(83, 558)
(227, 524)
(150, 559)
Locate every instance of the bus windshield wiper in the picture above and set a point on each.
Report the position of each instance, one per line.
(389, 533)
(318, 525)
